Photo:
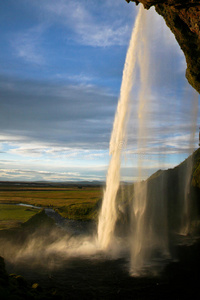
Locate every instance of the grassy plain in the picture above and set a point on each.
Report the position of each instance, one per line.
(14, 215)
(75, 202)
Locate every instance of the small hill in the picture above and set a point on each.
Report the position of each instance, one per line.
(38, 221)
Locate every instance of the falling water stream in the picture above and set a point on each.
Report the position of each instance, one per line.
(108, 214)
(149, 225)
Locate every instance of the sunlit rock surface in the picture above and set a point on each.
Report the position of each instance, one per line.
(183, 18)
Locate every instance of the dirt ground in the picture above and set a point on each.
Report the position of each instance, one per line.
(85, 278)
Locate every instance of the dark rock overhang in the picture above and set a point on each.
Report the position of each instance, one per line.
(183, 18)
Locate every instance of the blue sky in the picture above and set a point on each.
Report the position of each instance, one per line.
(61, 68)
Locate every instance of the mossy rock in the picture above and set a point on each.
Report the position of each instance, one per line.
(15, 287)
(18, 280)
(196, 169)
(79, 211)
(39, 220)
(3, 274)
(37, 287)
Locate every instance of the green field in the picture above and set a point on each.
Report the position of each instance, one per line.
(14, 215)
(73, 202)
(45, 196)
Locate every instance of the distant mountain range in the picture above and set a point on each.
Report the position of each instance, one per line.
(51, 183)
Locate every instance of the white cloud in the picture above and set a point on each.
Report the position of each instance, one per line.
(81, 78)
(27, 45)
(87, 25)
(10, 138)
(102, 35)
(33, 150)
(36, 175)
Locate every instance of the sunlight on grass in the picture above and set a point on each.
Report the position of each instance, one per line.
(14, 215)
(54, 197)
(79, 203)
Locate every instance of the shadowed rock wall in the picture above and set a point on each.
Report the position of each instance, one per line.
(183, 18)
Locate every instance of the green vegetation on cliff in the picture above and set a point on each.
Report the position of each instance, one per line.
(196, 170)
(79, 211)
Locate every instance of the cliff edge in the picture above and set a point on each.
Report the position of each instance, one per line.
(183, 18)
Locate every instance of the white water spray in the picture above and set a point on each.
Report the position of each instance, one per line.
(186, 213)
(149, 228)
(108, 214)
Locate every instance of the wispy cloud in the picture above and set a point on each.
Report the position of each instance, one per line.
(53, 152)
(37, 175)
(87, 26)
(81, 78)
(18, 174)
(27, 45)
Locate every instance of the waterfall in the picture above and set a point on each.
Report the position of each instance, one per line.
(149, 205)
(186, 208)
(108, 214)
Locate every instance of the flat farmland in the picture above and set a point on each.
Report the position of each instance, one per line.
(73, 202)
(49, 196)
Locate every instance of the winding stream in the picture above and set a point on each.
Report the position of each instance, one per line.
(73, 227)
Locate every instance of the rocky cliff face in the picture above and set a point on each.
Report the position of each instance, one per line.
(183, 18)
(173, 195)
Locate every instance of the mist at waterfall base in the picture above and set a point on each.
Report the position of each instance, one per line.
(134, 219)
